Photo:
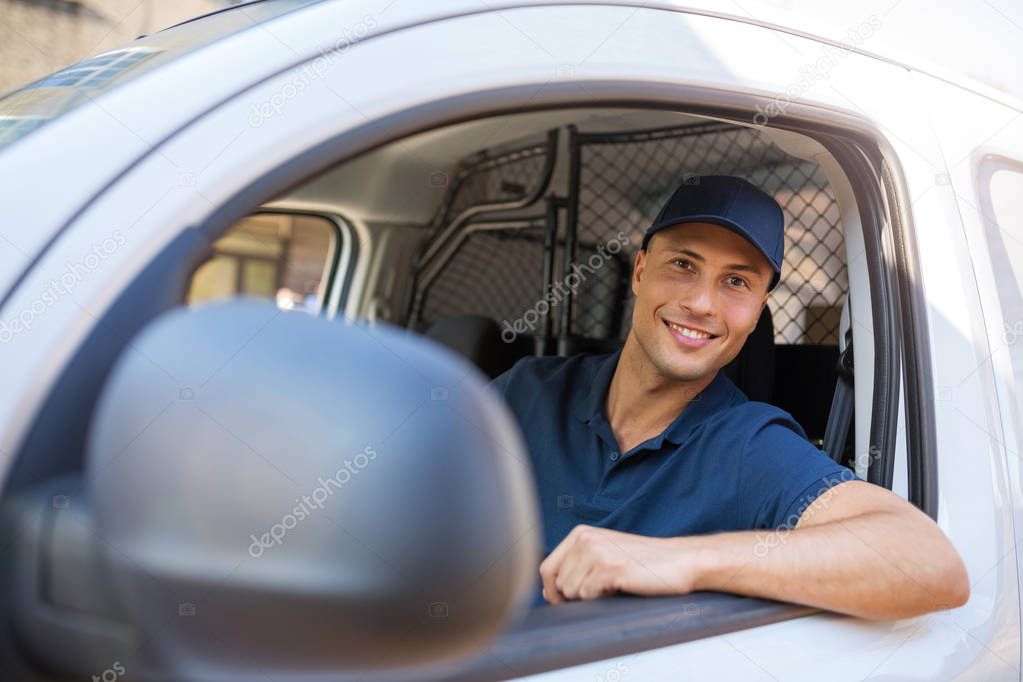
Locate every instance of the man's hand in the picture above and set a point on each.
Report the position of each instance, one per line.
(593, 562)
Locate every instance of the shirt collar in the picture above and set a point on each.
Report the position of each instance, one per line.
(589, 400)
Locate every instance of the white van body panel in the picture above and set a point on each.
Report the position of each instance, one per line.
(985, 180)
(212, 158)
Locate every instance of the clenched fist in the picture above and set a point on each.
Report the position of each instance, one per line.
(593, 562)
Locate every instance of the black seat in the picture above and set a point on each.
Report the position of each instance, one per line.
(752, 370)
(478, 338)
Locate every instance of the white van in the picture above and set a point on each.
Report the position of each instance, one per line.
(202, 486)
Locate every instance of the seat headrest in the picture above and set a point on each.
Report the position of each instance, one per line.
(478, 338)
(752, 370)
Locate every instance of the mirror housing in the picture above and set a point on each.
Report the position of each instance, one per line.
(278, 492)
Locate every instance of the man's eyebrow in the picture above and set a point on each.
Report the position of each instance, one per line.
(744, 267)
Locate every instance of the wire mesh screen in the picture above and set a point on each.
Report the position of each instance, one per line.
(599, 294)
(625, 178)
(487, 179)
(496, 273)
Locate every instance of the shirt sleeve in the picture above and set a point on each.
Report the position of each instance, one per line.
(783, 473)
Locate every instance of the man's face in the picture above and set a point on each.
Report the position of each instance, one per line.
(702, 276)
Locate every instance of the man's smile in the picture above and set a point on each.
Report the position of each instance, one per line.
(689, 336)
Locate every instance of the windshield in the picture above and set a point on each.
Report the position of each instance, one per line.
(25, 110)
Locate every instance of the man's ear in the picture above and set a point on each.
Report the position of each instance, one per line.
(637, 270)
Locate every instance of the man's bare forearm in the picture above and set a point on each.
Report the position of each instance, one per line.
(882, 565)
(858, 549)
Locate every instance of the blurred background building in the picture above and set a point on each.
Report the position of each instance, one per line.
(37, 37)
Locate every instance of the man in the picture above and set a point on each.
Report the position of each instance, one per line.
(658, 476)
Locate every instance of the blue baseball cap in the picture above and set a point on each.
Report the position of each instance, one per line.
(730, 202)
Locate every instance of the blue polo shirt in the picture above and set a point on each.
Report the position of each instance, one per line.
(725, 463)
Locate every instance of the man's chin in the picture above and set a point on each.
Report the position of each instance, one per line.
(684, 369)
(675, 363)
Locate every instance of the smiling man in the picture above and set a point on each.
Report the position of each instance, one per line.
(656, 474)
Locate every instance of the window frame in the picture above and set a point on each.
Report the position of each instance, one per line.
(339, 263)
(863, 154)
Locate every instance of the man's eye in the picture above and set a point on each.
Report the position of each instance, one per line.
(684, 262)
(737, 281)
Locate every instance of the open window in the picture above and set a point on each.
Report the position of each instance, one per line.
(471, 257)
(610, 176)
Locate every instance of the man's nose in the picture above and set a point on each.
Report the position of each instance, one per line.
(699, 297)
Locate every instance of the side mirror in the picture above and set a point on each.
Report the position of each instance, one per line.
(276, 492)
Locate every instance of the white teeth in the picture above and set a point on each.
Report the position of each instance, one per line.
(686, 331)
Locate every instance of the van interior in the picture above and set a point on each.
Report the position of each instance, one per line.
(516, 234)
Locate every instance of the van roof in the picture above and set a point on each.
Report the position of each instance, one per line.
(818, 28)
(755, 12)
